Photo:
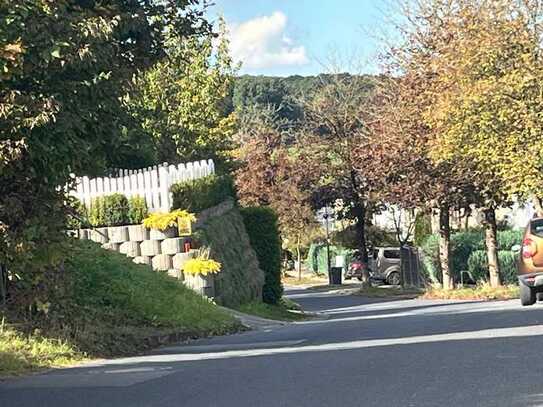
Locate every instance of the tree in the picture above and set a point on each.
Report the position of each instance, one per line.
(276, 176)
(61, 104)
(183, 103)
(488, 98)
(399, 163)
(335, 129)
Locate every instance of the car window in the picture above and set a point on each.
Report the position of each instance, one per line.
(391, 254)
(375, 254)
(536, 227)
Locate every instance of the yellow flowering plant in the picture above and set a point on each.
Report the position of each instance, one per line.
(202, 264)
(163, 221)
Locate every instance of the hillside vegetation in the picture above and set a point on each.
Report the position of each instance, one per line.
(105, 305)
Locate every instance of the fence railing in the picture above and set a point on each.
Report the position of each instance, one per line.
(151, 183)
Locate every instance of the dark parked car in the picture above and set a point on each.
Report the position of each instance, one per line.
(530, 265)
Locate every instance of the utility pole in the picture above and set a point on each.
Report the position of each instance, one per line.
(326, 217)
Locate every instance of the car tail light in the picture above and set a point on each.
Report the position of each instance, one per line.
(529, 248)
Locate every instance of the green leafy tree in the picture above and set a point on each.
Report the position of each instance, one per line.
(184, 102)
(65, 67)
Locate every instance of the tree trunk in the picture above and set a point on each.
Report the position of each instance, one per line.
(445, 246)
(299, 259)
(538, 205)
(360, 228)
(491, 241)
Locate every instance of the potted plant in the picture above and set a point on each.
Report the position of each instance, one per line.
(200, 271)
(166, 225)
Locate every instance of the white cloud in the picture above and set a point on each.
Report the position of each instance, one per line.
(263, 43)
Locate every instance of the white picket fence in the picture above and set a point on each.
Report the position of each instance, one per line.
(151, 183)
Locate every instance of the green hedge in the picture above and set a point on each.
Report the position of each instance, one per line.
(478, 265)
(117, 210)
(463, 244)
(197, 195)
(261, 226)
(137, 210)
(316, 257)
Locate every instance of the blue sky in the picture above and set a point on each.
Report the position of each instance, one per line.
(287, 37)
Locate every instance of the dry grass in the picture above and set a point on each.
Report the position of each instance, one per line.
(21, 353)
(305, 280)
(482, 293)
(389, 292)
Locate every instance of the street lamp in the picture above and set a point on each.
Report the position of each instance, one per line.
(326, 216)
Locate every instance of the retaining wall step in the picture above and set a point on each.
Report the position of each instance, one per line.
(118, 234)
(156, 234)
(138, 233)
(150, 248)
(143, 260)
(131, 249)
(162, 262)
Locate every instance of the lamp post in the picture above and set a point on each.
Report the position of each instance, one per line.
(326, 216)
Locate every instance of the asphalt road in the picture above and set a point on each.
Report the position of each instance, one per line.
(367, 353)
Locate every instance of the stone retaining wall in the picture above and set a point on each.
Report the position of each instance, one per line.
(162, 250)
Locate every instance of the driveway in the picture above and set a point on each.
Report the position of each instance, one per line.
(362, 352)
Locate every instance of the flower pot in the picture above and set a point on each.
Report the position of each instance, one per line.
(131, 249)
(173, 245)
(118, 234)
(138, 233)
(156, 234)
(150, 248)
(162, 262)
(99, 235)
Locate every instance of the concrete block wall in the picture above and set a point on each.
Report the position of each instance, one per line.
(162, 250)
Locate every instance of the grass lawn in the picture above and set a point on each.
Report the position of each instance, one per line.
(286, 310)
(313, 280)
(21, 353)
(482, 292)
(387, 291)
(109, 306)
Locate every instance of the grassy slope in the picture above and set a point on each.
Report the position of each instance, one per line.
(281, 312)
(110, 307)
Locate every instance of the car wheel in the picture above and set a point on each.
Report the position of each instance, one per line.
(527, 295)
(393, 278)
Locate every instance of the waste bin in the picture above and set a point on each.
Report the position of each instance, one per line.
(335, 275)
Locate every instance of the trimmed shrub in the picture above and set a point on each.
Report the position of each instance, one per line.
(463, 246)
(261, 226)
(137, 210)
(241, 279)
(508, 238)
(115, 210)
(96, 213)
(197, 195)
(478, 266)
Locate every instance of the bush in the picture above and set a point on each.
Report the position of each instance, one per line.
(316, 257)
(197, 195)
(241, 279)
(115, 210)
(96, 213)
(79, 218)
(478, 266)
(137, 210)
(466, 244)
(261, 226)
